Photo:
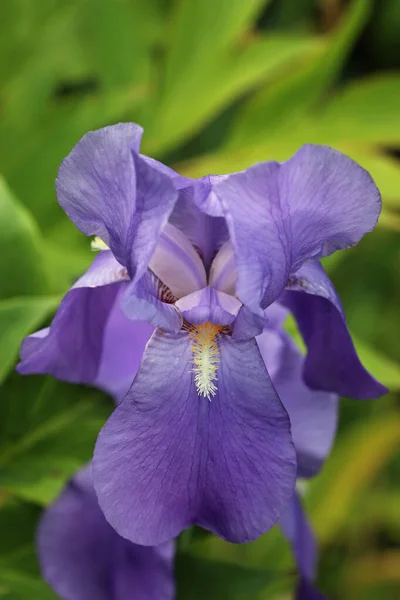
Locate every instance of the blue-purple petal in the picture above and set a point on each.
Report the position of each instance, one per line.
(89, 336)
(207, 233)
(281, 215)
(331, 363)
(297, 529)
(108, 190)
(143, 301)
(83, 558)
(123, 345)
(171, 458)
(313, 413)
(307, 591)
(209, 304)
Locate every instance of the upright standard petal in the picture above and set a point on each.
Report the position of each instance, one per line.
(83, 558)
(280, 215)
(177, 264)
(108, 190)
(313, 414)
(168, 458)
(207, 233)
(332, 363)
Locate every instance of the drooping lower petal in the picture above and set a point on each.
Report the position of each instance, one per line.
(306, 591)
(124, 343)
(332, 363)
(173, 458)
(90, 340)
(71, 348)
(83, 558)
(281, 215)
(313, 414)
(297, 529)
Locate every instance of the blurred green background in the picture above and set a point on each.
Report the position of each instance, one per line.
(217, 85)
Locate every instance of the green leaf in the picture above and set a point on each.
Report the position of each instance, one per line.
(21, 261)
(204, 53)
(18, 522)
(48, 430)
(275, 110)
(381, 366)
(364, 112)
(117, 37)
(19, 570)
(385, 170)
(18, 318)
(201, 579)
(359, 455)
(15, 585)
(200, 32)
(228, 76)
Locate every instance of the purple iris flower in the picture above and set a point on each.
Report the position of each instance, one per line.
(83, 558)
(297, 529)
(205, 267)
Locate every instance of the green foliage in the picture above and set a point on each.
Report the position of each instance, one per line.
(199, 578)
(48, 430)
(218, 85)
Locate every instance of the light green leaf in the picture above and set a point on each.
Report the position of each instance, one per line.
(359, 455)
(381, 366)
(364, 112)
(385, 170)
(200, 32)
(184, 110)
(276, 109)
(16, 585)
(18, 318)
(21, 261)
(117, 37)
(202, 69)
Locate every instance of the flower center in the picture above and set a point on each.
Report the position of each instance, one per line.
(205, 352)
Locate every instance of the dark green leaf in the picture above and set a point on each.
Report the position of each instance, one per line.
(21, 261)
(201, 579)
(18, 318)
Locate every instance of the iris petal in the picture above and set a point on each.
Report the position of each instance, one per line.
(280, 215)
(223, 270)
(313, 414)
(71, 348)
(209, 305)
(108, 190)
(84, 559)
(172, 458)
(207, 233)
(177, 264)
(297, 529)
(144, 301)
(332, 363)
